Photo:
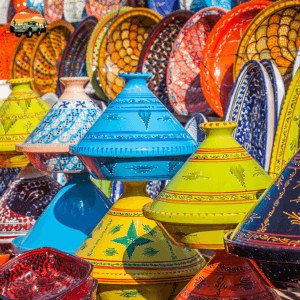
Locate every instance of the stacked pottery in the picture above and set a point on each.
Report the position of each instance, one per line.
(210, 194)
(136, 140)
(79, 206)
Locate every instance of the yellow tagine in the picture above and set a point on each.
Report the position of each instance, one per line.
(131, 255)
(211, 193)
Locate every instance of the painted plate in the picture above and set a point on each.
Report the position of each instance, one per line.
(127, 35)
(73, 10)
(252, 106)
(277, 84)
(193, 127)
(163, 7)
(47, 52)
(287, 135)
(37, 5)
(183, 75)
(220, 48)
(273, 34)
(162, 37)
(53, 10)
(73, 61)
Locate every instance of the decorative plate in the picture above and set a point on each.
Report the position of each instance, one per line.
(220, 49)
(73, 61)
(197, 5)
(8, 44)
(162, 36)
(278, 86)
(98, 34)
(252, 106)
(4, 7)
(53, 10)
(73, 10)
(183, 75)
(296, 63)
(193, 127)
(273, 34)
(38, 5)
(7, 176)
(47, 53)
(163, 7)
(287, 133)
(127, 35)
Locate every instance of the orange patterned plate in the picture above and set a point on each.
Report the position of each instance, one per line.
(220, 49)
(53, 10)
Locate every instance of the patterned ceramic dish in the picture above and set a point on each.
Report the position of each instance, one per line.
(273, 34)
(73, 10)
(164, 7)
(252, 106)
(193, 127)
(278, 86)
(162, 37)
(73, 60)
(47, 52)
(53, 10)
(197, 5)
(37, 5)
(183, 76)
(286, 141)
(127, 34)
(45, 273)
(220, 49)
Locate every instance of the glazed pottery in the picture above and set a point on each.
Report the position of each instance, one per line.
(220, 51)
(65, 124)
(193, 127)
(286, 141)
(5, 91)
(45, 274)
(269, 234)
(69, 219)
(73, 10)
(152, 146)
(228, 277)
(164, 7)
(37, 5)
(74, 56)
(183, 76)
(50, 46)
(132, 256)
(197, 5)
(19, 115)
(53, 10)
(194, 209)
(252, 106)
(162, 36)
(23, 202)
(127, 34)
(273, 34)
(7, 176)
(278, 86)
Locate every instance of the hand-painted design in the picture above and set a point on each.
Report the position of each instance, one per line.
(171, 249)
(151, 231)
(113, 117)
(258, 172)
(7, 176)
(295, 219)
(193, 127)
(173, 164)
(145, 116)
(246, 283)
(83, 246)
(129, 294)
(109, 165)
(142, 169)
(252, 218)
(98, 227)
(150, 252)
(110, 252)
(227, 156)
(239, 173)
(115, 229)
(165, 118)
(131, 240)
(194, 176)
(154, 188)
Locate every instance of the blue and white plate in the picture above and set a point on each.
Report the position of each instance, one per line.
(193, 127)
(277, 84)
(252, 106)
(196, 5)
(163, 7)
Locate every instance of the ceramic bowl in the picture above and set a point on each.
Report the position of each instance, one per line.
(45, 273)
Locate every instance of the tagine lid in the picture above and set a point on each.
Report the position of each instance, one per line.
(271, 230)
(136, 124)
(67, 121)
(126, 248)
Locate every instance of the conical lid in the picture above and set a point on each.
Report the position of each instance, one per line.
(228, 277)
(20, 113)
(271, 230)
(126, 248)
(211, 193)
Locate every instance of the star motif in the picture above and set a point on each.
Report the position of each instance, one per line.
(131, 241)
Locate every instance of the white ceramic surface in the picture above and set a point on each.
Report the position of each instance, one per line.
(73, 10)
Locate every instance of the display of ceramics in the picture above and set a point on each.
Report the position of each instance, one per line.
(162, 36)
(50, 46)
(23, 202)
(45, 274)
(183, 76)
(159, 148)
(19, 5)
(73, 10)
(19, 115)
(127, 34)
(197, 5)
(164, 7)
(286, 141)
(220, 51)
(193, 127)
(53, 10)
(4, 7)
(73, 61)
(252, 106)
(272, 34)
(278, 86)
(7, 176)
(66, 123)
(37, 5)
(194, 209)
(273, 245)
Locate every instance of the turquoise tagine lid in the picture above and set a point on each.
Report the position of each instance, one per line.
(136, 138)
